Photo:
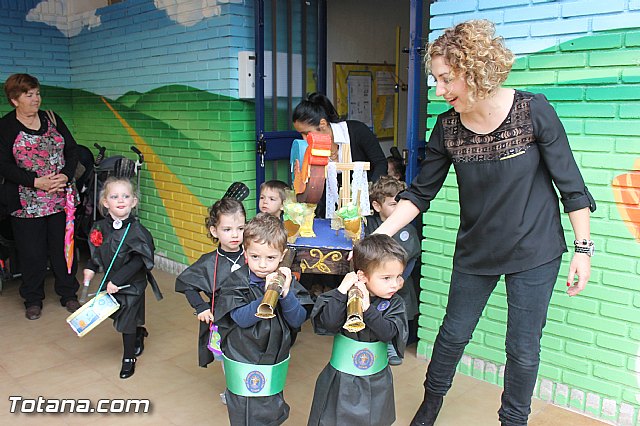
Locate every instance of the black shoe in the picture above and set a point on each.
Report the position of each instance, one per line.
(128, 368)
(428, 411)
(33, 312)
(141, 333)
(72, 305)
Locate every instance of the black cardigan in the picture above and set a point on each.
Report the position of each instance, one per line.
(10, 128)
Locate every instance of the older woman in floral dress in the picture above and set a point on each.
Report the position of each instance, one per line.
(38, 157)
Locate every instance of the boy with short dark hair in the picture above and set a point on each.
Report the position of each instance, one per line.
(256, 351)
(272, 196)
(356, 387)
(383, 200)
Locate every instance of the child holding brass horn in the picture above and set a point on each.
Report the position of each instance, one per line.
(383, 200)
(256, 350)
(356, 387)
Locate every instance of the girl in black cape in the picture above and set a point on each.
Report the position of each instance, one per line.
(341, 398)
(127, 278)
(225, 225)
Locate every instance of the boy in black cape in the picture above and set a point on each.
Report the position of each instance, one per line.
(383, 200)
(256, 351)
(356, 387)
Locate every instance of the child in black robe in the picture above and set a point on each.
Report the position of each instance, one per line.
(383, 200)
(225, 225)
(127, 278)
(356, 387)
(252, 343)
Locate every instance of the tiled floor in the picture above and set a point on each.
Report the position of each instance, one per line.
(45, 358)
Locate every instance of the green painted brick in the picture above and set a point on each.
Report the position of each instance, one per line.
(615, 375)
(629, 110)
(617, 127)
(613, 93)
(564, 361)
(625, 313)
(632, 38)
(496, 313)
(589, 76)
(586, 109)
(618, 344)
(603, 292)
(550, 342)
(631, 397)
(431, 272)
(628, 145)
(426, 335)
(424, 349)
(494, 341)
(591, 143)
(628, 281)
(573, 126)
(610, 326)
(428, 323)
(604, 41)
(567, 60)
(521, 63)
(561, 93)
(614, 57)
(476, 350)
(550, 372)
(595, 354)
(630, 76)
(577, 303)
(556, 314)
(519, 78)
(570, 332)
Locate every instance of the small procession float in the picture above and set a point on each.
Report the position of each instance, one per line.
(322, 244)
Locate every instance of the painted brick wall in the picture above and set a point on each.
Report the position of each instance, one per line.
(178, 85)
(164, 80)
(35, 48)
(584, 56)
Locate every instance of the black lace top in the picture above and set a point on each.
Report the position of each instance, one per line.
(509, 214)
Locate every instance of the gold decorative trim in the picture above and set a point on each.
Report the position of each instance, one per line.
(336, 256)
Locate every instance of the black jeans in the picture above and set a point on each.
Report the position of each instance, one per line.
(38, 240)
(528, 296)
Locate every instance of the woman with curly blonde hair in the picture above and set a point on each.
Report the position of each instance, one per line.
(508, 149)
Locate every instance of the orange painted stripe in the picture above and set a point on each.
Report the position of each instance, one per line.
(186, 214)
(626, 192)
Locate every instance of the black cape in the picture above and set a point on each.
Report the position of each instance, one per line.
(344, 399)
(266, 342)
(199, 277)
(408, 238)
(138, 242)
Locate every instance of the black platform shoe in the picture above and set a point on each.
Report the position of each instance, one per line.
(428, 411)
(141, 333)
(128, 368)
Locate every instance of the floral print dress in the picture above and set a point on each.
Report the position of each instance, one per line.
(42, 154)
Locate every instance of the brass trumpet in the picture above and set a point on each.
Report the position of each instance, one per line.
(274, 288)
(355, 321)
(270, 299)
